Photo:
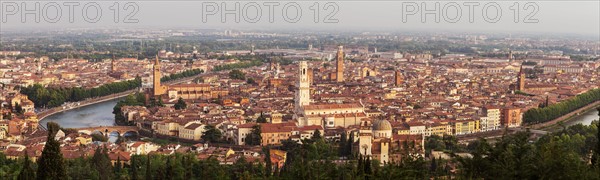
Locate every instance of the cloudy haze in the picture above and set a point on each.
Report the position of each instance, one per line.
(579, 17)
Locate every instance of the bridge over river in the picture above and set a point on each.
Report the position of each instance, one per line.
(105, 130)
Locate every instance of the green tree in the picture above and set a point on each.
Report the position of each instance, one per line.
(254, 138)
(180, 104)
(261, 119)
(148, 174)
(133, 168)
(316, 135)
(51, 164)
(211, 134)
(342, 148)
(237, 74)
(349, 144)
(169, 169)
(18, 108)
(268, 163)
(27, 172)
(250, 81)
(117, 168)
(160, 103)
(53, 97)
(102, 163)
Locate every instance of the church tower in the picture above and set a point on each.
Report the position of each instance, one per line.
(521, 80)
(303, 86)
(158, 88)
(398, 79)
(365, 139)
(339, 68)
(113, 68)
(39, 65)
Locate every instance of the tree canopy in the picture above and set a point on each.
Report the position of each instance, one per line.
(57, 96)
(553, 111)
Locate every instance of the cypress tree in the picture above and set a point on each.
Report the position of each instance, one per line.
(188, 171)
(148, 175)
(51, 164)
(169, 169)
(27, 172)
(368, 164)
(433, 167)
(118, 167)
(261, 119)
(342, 147)
(349, 144)
(102, 163)
(276, 171)
(133, 167)
(360, 167)
(268, 166)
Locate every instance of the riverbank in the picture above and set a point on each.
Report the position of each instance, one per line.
(43, 114)
(572, 120)
(566, 117)
(96, 115)
(74, 105)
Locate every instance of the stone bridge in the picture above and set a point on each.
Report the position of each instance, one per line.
(497, 134)
(105, 130)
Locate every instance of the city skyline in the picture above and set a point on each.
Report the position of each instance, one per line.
(550, 17)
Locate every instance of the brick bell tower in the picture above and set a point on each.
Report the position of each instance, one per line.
(158, 88)
(339, 68)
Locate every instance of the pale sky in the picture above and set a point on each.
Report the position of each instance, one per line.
(570, 17)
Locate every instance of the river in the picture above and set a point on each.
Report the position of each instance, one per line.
(99, 114)
(585, 118)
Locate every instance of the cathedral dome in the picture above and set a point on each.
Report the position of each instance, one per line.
(381, 125)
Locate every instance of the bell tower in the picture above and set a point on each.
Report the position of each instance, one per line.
(398, 78)
(303, 86)
(339, 68)
(113, 68)
(158, 88)
(521, 80)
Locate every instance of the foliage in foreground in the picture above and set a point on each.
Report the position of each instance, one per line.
(569, 154)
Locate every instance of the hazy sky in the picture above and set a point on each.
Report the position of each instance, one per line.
(575, 17)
